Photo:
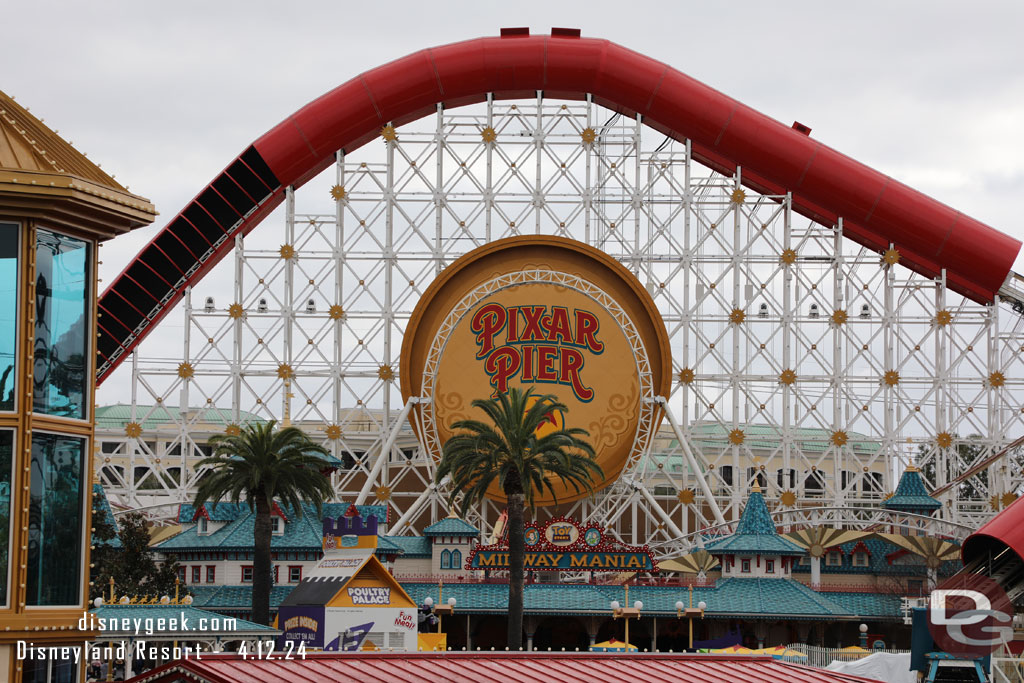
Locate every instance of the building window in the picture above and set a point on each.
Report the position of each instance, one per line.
(204, 526)
(860, 559)
(769, 566)
(834, 558)
(446, 560)
(63, 319)
(295, 574)
(211, 574)
(181, 575)
(247, 574)
(278, 526)
(745, 566)
(8, 314)
(276, 567)
(6, 467)
(56, 526)
(197, 574)
(456, 559)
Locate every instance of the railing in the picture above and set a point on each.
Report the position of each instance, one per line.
(605, 579)
(821, 657)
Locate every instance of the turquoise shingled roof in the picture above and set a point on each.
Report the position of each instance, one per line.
(299, 534)
(386, 547)
(911, 495)
(151, 417)
(451, 526)
(412, 546)
(187, 615)
(234, 598)
(755, 534)
(101, 498)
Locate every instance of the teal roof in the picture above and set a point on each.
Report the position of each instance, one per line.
(386, 547)
(880, 563)
(188, 617)
(108, 514)
(911, 495)
(152, 417)
(305, 533)
(451, 526)
(412, 546)
(712, 435)
(234, 598)
(754, 534)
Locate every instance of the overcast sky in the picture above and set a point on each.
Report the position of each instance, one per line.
(164, 95)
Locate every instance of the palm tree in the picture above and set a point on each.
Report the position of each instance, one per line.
(508, 452)
(262, 466)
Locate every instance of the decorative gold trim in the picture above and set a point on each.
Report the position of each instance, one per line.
(489, 135)
(232, 430)
(839, 438)
(736, 436)
(788, 498)
(133, 430)
(589, 135)
(284, 371)
(891, 256)
(891, 378)
(286, 251)
(388, 133)
(386, 373)
(236, 311)
(382, 493)
(997, 379)
(185, 370)
(686, 376)
(788, 256)
(839, 317)
(943, 317)
(787, 377)
(738, 196)
(736, 316)
(686, 496)
(333, 432)
(338, 193)
(1008, 498)
(944, 439)
(336, 312)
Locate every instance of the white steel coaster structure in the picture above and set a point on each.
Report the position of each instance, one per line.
(803, 363)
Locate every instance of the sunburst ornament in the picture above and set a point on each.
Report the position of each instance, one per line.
(839, 317)
(284, 371)
(943, 318)
(738, 196)
(686, 496)
(788, 498)
(286, 251)
(336, 312)
(489, 135)
(788, 256)
(133, 430)
(1008, 499)
(994, 502)
(588, 135)
(333, 432)
(236, 311)
(686, 376)
(233, 430)
(891, 378)
(737, 436)
(891, 256)
(382, 492)
(736, 316)
(338, 193)
(997, 379)
(388, 133)
(839, 438)
(944, 439)
(185, 370)
(386, 373)
(787, 377)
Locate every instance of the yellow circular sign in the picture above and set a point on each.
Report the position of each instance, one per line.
(548, 313)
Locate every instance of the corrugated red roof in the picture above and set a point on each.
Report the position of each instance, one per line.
(500, 667)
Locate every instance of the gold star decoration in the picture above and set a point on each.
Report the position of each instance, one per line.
(489, 135)
(891, 257)
(336, 312)
(686, 375)
(232, 430)
(588, 135)
(284, 371)
(382, 492)
(944, 439)
(787, 377)
(736, 436)
(997, 379)
(333, 432)
(788, 257)
(943, 318)
(839, 317)
(737, 196)
(736, 316)
(133, 430)
(286, 251)
(388, 133)
(386, 373)
(236, 311)
(1008, 499)
(185, 370)
(338, 193)
(994, 502)
(686, 496)
(839, 438)
(788, 498)
(891, 378)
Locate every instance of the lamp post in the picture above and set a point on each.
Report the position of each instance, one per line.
(864, 636)
(690, 613)
(442, 610)
(626, 613)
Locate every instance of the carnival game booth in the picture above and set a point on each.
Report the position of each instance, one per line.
(349, 601)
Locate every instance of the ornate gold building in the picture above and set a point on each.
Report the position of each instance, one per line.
(55, 208)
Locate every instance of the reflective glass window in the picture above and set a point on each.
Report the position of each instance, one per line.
(56, 528)
(8, 312)
(6, 465)
(63, 325)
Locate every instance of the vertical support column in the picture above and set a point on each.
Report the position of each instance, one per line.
(339, 299)
(997, 480)
(889, 340)
(787, 319)
(236, 336)
(588, 187)
(635, 196)
(439, 197)
(538, 153)
(489, 188)
(183, 401)
(839, 452)
(739, 474)
(942, 416)
(288, 312)
(389, 312)
(131, 446)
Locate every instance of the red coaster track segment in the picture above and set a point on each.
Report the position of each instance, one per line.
(877, 210)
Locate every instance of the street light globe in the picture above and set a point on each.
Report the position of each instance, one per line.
(428, 601)
(451, 601)
(615, 604)
(702, 605)
(639, 605)
(863, 628)
(679, 605)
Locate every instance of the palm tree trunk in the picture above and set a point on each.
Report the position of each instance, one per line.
(516, 557)
(262, 533)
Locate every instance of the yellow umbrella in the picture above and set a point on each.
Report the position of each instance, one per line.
(611, 646)
(781, 652)
(733, 650)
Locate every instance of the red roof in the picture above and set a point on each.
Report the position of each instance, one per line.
(480, 667)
